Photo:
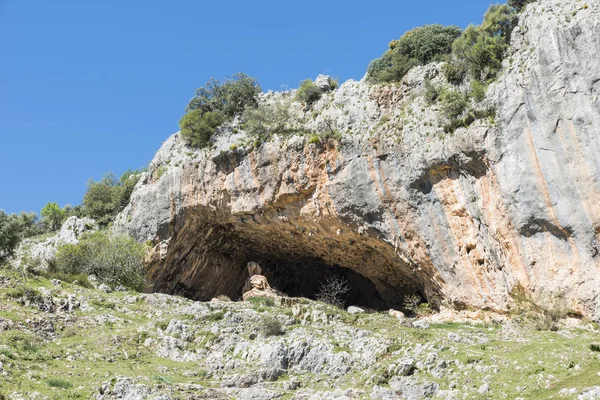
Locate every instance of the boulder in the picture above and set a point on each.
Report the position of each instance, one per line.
(322, 82)
(259, 287)
(355, 310)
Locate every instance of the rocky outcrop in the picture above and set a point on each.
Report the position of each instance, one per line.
(397, 206)
(38, 254)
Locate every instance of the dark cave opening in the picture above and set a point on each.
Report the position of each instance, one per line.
(306, 278)
(204, 263)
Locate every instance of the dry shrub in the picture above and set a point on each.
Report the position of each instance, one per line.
(333, 291)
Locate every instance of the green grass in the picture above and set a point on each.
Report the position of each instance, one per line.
(59, 383)
(86, 355)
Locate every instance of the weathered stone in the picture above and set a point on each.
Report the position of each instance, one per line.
(322, 82)
(105, 288)
(399, 315)
(259, 287)
(355, 310)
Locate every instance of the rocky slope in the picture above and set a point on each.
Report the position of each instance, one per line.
(464, 220)
(62, 341)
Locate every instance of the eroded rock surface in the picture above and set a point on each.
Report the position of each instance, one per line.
(397, 205)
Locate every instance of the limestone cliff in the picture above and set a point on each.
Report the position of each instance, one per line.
(397, 205)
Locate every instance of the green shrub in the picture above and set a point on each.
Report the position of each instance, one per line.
(334, 83)
(478, 90)
(229, 98)
(271, 326)
(313, 139)
(595, 347)
(308, 93)
(197, 126)
(25, 295)
(10, 236)
(162, 325)
(53, 216)
(267, 120)
(216, 316)
(416, 47)
(104, 199)
(427, 43)
(261, 301)
(59, 383)
(453, 104)
(519, 5)
(216, 103)
(455, 71)
(163, 379)
(482, 48)
(390, 67)
(113, 259)
(432, 92)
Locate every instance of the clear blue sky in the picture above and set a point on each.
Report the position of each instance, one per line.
(88, 87)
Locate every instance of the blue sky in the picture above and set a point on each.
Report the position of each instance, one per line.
(88, 87)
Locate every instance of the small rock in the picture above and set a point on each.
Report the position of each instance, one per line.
(420, 324)
(56, 282)
(93, 280)
(322, 82)
(405, 367)
(291, 385)
(355, 310)
(270, 374)
(104, 288)
(485, 388)
(397, 314)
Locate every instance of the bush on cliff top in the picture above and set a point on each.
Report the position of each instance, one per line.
(197, 127)
(308, 93)
(416, 47)
(214, 104)
(481, 49)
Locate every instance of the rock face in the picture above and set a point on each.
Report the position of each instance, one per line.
(397, 206)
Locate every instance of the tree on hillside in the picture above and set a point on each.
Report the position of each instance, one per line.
(53, 216)
(104, 199)
(482, 48)
(9, 236)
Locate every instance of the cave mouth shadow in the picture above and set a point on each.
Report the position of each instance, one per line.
(306, 277)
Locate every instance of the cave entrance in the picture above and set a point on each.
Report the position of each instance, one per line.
(207, 260)
(310, 278)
